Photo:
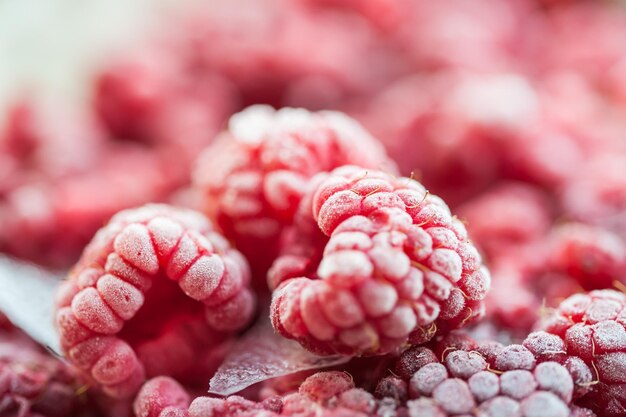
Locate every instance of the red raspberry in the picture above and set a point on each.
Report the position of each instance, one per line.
(396, 266)
(161, 397)
(270, 61)
(593, 326)
(506, 381)
(512, 304)
(513, 140)
(598, 194)
(591, 256)
(153, 289)
(323, 394)
(151, 96)
(255, 174)
(33, 384)
(506, 216)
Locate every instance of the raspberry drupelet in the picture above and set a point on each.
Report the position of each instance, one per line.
(396, 266)
(155, 288)
(593, 328)
(255, 173)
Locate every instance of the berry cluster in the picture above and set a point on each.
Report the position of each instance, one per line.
(373, 175)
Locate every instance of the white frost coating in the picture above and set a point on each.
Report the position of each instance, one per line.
(251, 124)
(345, 264)
(27, 299)
(260, 355)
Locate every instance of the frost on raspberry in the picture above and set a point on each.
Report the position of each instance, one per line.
(161, 397)
(155, 288)
(331, 393)
(396, 267)
(256, 172)
(481, 379)
(593, 327)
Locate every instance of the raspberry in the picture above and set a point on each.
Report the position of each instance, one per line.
(285, 74)
(31, 382)
(515, 141)
(593, 328)
(597, 194)
(512, 303)
(325, 385)
(171, 105)
(255, 174)
(395, 267)
(593, 257)
(506, 381)
(161, 397)
(120, 313)
(322, 394)
(506, 216)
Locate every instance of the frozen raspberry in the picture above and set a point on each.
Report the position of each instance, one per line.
(33, 384)
(255, 174)
(436, 116)
(49, 199)
(150, 96)
(593, 257)
(512, 304)
(597, 195)
(506, 216)
(396, 266)
(506, 382)
(161, 397)
(323, 394)
(392, 387)
(593, 328)
(156, 287)
(270, 61)
(324, 385)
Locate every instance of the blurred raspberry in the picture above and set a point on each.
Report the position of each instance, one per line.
(255, 174)
(598, 194)
(49, 198)
(153, 97)
(270, 61)
(506, 216)
(593, 257)
(154, 289)
(396, 267)
(161, 397)
(32, 383)
(442, 34)
(512, 304)
(323, 394)
(593, 328)
(57, 219)
(452, 119)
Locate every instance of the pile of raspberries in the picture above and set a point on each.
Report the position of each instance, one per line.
(433, 192)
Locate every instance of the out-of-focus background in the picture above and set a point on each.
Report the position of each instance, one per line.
(52, 46)
(468, 95)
